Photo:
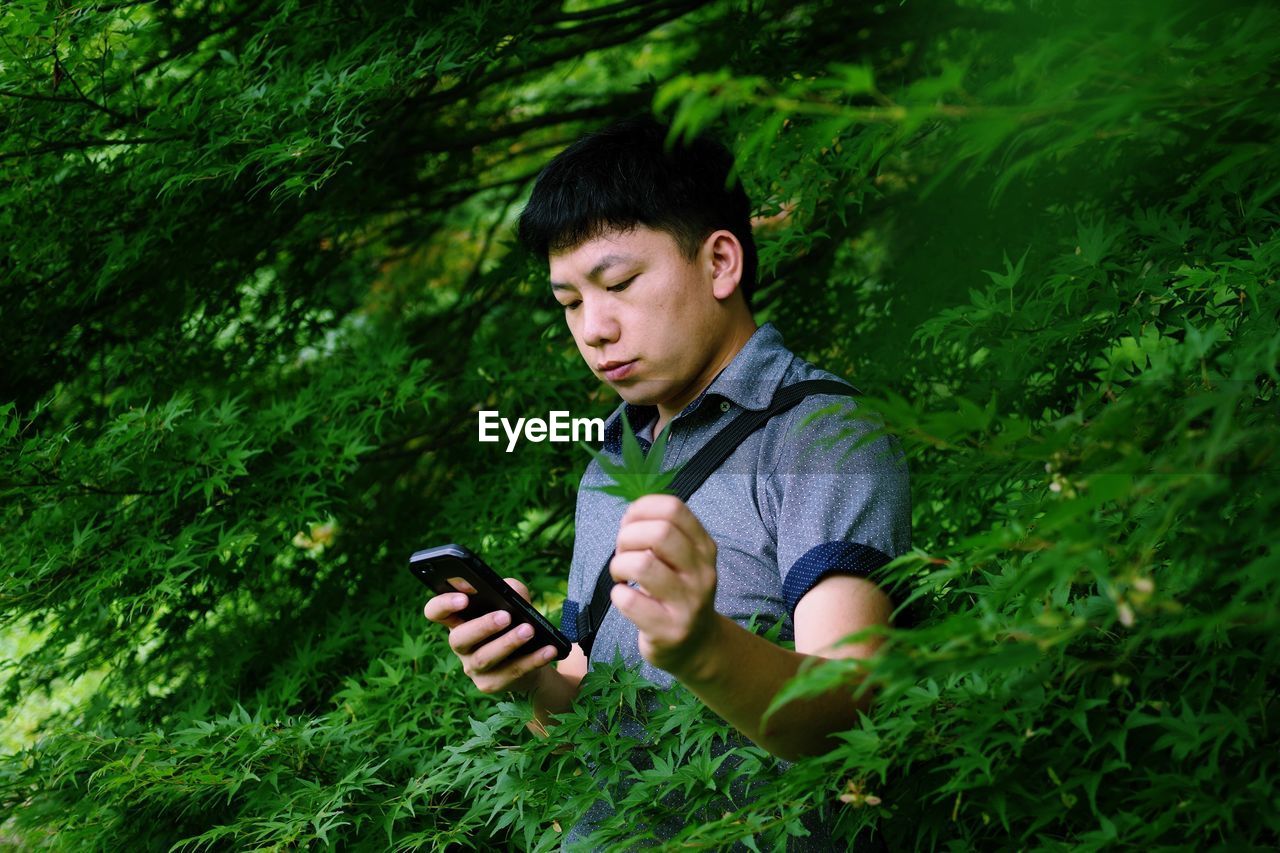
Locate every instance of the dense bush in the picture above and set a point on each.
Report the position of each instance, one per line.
(257, 280)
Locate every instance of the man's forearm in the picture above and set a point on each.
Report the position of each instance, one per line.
(553, 694)
(739, 674)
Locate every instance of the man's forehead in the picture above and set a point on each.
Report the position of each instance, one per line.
(595, 257)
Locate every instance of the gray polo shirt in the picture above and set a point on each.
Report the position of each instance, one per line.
(791, 505)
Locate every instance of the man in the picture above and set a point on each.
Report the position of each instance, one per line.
(653, 261)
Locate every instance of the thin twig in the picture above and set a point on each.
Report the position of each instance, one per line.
(120, 117)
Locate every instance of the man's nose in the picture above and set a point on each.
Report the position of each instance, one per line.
(599, 323)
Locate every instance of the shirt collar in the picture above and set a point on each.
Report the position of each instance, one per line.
(755, 373)
(748, 381)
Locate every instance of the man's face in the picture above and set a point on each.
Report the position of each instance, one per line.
(645, 319)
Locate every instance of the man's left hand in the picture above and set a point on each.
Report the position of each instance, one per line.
(665, 549)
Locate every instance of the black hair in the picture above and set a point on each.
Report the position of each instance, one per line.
(622, 176)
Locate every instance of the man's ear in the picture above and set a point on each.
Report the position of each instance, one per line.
(725, 259)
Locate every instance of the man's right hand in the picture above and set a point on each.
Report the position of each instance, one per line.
(486, 656)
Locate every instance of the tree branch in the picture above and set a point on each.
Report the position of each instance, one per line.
(588, 14)
(116, 7)
(82, 144)
(495, 132)
(191, 44)
(630, 13)
(119, 117)
(676, 9)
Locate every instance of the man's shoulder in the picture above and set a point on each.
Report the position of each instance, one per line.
(820, 432)
(801, 370)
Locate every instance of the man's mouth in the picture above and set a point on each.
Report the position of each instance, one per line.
(616, 370)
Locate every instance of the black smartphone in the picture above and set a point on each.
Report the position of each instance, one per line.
(452, 568)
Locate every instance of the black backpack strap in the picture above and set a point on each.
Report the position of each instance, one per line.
(695, 473)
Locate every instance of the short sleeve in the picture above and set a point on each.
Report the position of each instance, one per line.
(837, 508)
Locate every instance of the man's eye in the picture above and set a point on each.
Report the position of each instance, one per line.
(624, 285)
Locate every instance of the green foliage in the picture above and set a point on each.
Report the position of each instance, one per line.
(256, 279)
(640, 473)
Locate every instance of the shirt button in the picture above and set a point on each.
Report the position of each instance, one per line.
(724, 405)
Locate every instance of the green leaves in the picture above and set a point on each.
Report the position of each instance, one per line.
(639, 474)
(232, 270)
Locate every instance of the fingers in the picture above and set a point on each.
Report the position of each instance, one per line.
(667, 508)
(468, 636)
(486, 644)
(666, 526)
(442, 609)
(644, 568)
(475, 645)
(494, 657)
(514, 674)
(646, 612)
(518, 587)
(667, 541)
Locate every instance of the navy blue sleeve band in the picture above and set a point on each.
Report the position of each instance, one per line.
(843, 558)
(569, 620)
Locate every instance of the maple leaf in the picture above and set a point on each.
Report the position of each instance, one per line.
(639, 474)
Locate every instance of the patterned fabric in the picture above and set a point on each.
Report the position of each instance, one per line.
(829, 558)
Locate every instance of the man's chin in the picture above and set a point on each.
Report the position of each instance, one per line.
(638, 393)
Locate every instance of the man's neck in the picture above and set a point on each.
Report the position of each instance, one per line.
(738, 337)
